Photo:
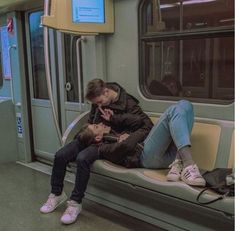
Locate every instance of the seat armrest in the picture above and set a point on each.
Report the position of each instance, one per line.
(74, 127)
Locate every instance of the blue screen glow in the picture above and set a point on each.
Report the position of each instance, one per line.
(88, 11)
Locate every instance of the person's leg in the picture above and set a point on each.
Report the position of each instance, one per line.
(84, 161)
(174, 125)
(65, 155)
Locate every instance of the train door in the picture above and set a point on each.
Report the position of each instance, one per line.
(66, 84)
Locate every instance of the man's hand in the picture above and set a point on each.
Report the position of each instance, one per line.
(106, 113)
(123, 137)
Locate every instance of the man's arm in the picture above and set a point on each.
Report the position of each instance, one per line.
(128, 120)
(116, 152)
(134, 108)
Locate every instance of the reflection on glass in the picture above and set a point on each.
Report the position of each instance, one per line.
(37, 56)
(175, 15)
(71, 68)
(224, 60)
(207, 68)
(194, 62)
(170, 15)
(162, 59)
(209, 13)
(1, 73)
(200, 64)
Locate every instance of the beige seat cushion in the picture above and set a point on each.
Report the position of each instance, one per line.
(205, 141)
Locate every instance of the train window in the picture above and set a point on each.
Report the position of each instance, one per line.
(37, 54)
(71, 68)
(187, 49)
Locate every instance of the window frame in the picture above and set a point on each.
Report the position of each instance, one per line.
(144, 37)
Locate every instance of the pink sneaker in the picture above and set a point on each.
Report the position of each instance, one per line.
(71, 213)
(191, 176)
(53, 202)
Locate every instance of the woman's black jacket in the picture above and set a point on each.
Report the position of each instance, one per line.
(127, 152)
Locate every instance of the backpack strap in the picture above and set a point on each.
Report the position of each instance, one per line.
(212, 201)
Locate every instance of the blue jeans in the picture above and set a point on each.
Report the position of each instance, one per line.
(171, 133)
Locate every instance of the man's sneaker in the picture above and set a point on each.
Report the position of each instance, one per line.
(175, 171)
(191, 176)
(71, 213)
(53, 202)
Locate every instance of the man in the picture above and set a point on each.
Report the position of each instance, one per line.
(157, 150)
(103, 96)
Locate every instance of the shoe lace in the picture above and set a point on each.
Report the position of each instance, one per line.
(194, 172)
(71, 210)
(50, 201)
(176, 166)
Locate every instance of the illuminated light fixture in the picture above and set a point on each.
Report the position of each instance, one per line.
(168, 5)
(197, 1)
(200, 24)
(227, 20)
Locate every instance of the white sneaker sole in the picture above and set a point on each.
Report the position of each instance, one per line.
(174, 178)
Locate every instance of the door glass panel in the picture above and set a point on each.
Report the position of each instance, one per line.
(72, 84)
(37, 56)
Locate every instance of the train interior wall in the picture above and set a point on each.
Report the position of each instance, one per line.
(113, 57)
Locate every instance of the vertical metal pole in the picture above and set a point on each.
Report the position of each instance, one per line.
(48, 74)
(79, 72)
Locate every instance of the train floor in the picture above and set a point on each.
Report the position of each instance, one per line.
(22, 192)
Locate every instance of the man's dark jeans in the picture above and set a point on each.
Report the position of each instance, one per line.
(83, 157)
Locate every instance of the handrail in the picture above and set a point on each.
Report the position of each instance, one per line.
(79, 72)
(46, 7)
(48, 76)
(11, 80)
(73, 125)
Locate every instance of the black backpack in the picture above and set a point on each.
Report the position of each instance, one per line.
(220, 180)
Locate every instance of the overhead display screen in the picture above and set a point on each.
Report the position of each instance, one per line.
(88, 11)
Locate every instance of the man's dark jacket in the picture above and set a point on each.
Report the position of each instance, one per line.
(126, 153)
(124, 104)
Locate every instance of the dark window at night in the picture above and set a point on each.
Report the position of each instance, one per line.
(187, 49)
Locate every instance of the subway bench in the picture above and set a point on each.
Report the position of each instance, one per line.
(147, 195)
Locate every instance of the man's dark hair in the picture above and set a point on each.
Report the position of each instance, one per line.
(95, 88)
(86, 136)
